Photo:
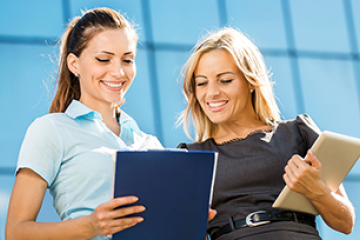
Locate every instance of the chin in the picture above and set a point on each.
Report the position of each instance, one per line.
(216, 120)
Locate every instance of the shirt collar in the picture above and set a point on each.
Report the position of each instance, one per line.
(124, 117)
(76, 110)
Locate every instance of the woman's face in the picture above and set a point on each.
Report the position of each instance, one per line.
(106, 67)
(221, 89)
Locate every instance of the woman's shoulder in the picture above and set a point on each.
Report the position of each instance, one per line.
(302, 122)
(47, 120)
(46, 126)
(302, 126)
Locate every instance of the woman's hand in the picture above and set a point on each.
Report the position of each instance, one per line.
(334, 207)
(212, 214)
(303, 176)
(106, 220)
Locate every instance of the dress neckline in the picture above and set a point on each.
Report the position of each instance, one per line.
(247, 136)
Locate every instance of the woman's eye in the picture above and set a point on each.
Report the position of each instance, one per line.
(226, 81)
(129, 61)
(102, 60)
(199, 84)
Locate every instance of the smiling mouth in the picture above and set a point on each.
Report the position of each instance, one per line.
(113, 85)
(217, 104)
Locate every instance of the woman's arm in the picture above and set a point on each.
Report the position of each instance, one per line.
(25, 203)
(334, 207)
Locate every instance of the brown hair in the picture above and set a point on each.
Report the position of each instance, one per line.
(75, 39)
(252, 65)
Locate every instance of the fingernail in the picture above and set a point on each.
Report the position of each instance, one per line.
(134, 198)
(142, 208)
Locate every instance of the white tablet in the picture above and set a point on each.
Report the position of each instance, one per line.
(337, 154)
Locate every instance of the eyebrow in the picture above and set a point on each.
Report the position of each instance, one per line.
(111, 53)
(218, 75)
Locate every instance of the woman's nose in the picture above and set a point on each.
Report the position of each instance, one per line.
(117, 70)
(213, 89)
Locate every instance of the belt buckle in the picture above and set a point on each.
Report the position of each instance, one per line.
(249, 219)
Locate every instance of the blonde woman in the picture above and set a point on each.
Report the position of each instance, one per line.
(231, 103)
(67, 149)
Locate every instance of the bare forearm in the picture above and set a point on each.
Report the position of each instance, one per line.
(336, 210)
(70, 229)
(334, 207)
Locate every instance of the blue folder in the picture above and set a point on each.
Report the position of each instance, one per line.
(174, 186)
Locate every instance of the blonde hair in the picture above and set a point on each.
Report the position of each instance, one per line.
(250, 62)
(75, 39)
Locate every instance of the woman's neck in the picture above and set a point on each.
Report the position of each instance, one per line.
(108, 115)
(239, 129)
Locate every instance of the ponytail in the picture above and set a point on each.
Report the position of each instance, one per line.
(68, 87)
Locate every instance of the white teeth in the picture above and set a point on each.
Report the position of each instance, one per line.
(216, 104)
(114, 85)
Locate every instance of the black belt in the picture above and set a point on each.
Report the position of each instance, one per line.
(265, 217)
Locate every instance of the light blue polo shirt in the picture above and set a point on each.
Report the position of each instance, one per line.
(72, 151)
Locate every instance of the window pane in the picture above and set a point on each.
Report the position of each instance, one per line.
(34, 18)
(172, 101)
(181, 22)
(320, 25)
(262, 20)
(284, 89)
(24, 95)
(355, 12)
(139, 101)
(47, 212)
(330, 95)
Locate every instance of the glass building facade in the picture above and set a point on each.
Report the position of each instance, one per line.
(311, 47)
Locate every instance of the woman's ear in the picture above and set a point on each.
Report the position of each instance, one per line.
(72, 62)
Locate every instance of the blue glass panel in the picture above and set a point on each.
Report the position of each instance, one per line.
(261, 19)
(172, 101)
(284, 89)
(47, 212)
(181, 22)
(25, 94)
(320, 25)
(330, 95)
(139, 104)
(132, 9)
(31, 18)
(355, 12)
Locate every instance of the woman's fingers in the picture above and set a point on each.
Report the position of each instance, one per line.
(112, 216)
(302, 176)
(212, 214)
(125, 211)
(126, 222)
(121, 201)
(295, 171)
(313, 160)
